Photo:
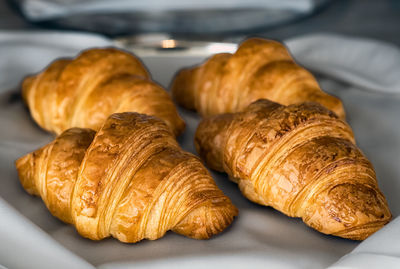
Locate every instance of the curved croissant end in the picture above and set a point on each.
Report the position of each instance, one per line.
(84, 91)
(300, 159)
(130, 180)
(259, 69)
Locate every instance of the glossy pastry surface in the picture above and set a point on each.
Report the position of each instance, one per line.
(84, 91)
(130, 180)
(300, 159)
(259, 69)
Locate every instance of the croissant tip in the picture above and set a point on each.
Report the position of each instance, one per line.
(207, 220)
(25, 166)
(179, 127)
(349, 210)
(362, 232)
(182, 88)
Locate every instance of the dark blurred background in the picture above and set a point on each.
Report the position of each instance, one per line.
(378, 19)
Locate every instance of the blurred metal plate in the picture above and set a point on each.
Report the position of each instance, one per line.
(162, 45)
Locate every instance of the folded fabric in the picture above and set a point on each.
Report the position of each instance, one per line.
(362, 63)
(35, 246)
(47, 9)
(24, 52)
(381, 250)
(371, 64)
(116, 17)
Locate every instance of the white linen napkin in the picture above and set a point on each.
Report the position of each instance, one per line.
(381, 250)
(362, 63)
(32, 244)
(367, 63)
(24, 52)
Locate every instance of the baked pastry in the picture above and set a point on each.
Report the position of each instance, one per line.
(300, 159)
(130, 180)
(260, 69)
(84, 91)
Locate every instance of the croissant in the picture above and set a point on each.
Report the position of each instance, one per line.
(260, 69)
(299, 159)
(130, 180)
(84, 91)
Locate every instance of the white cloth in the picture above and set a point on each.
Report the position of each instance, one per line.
(48, 9)
(381, 250)
(260, 237)
(367, 63)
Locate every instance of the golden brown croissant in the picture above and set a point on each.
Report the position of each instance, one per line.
(84, 91)
(301, 160)
(259, 69)
(131, 180)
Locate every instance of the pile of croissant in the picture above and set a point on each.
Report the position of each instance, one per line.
(116, 169)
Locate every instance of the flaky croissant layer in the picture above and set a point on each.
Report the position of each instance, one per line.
(259, 69)
(130, 180)
(84, 91)
(300, 159)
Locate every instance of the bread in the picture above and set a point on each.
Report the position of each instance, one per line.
(84, 91)
(301, 160)
(260, 69)
(130, 180)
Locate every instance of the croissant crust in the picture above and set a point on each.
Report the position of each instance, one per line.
(84, 91)
(130, 180)
(260, 69)
(300, 159)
